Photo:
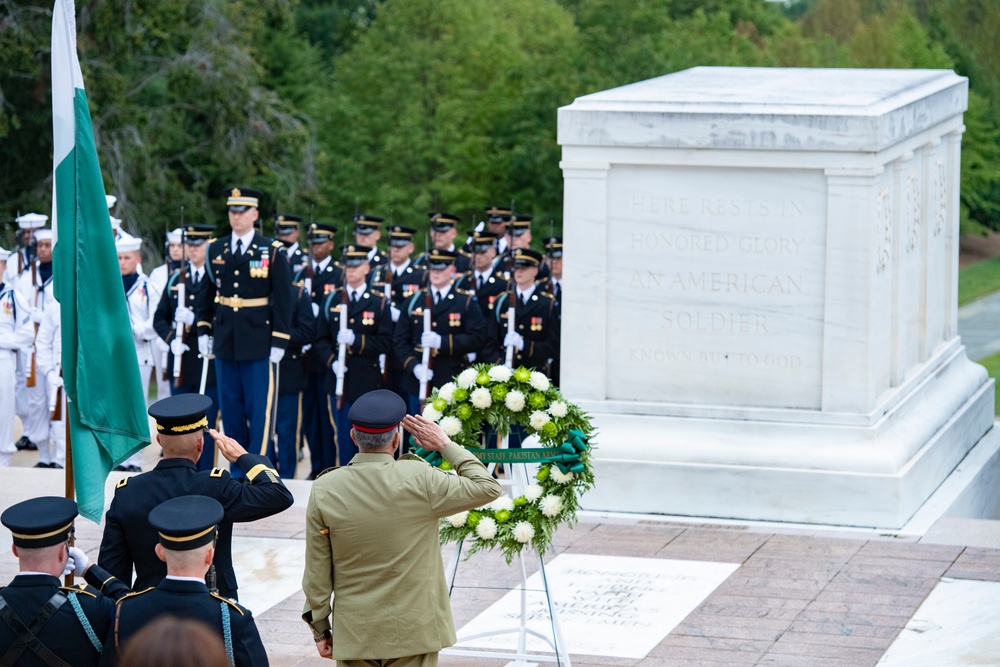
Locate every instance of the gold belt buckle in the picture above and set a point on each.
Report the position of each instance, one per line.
(236, 302)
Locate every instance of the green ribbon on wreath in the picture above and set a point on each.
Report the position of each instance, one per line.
(569, 460)
(566, 455)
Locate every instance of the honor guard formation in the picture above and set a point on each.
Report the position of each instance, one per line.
(261, 350)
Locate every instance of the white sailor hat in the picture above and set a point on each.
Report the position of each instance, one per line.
(4, 254)
(128, 243)
(43, 235)
(174, 236)
(32, 221)
(112, 200)
(116, 223)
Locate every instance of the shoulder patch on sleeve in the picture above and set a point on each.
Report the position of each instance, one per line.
(231, 603)
(216, 472)
(122, 482)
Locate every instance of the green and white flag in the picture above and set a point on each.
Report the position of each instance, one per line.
(107, 409)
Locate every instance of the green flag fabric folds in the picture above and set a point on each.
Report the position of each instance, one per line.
(107, 408)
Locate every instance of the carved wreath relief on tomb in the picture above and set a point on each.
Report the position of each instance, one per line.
(940, 190)
(912, 211)
(883, 209)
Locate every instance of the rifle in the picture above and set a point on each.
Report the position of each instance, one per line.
(32, 378)
(425, 355)
(179, 333)
(511, 315)
(342, 350)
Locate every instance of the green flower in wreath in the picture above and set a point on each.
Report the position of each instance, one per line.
(537, 400)
(460, 395)
(483, 379)
(522, 374)
(498, 392)
(440, 404)
(464, 412)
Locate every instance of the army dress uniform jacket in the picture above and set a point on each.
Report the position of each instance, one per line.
(62, 634)
(487, 295)
(323, 282)
(462, 328)
(538, 322)
(188, 600)
(129, 540)
(372, 541)
(401, 287)
(163, 323)
(249, 304)
(292, 379)
(371, 322)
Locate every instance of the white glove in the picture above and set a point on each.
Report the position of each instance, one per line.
(70, 567)
(54, 380)
(345, 337)
(204, 345)
(315, 310)
(471, 356)
(277, 354)
(394, 312)
(36, 316)
(178, 347)
(339, 369)
(423, 373)
(184, 315)
(515, 339)
(430, 339)
(307, 347)
(80, 561)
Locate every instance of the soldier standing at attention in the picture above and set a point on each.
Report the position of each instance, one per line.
(372, 541)
(41, 622)
(443, 232)
(16, 333)
(248, 315)
(286, 230)
(169, 313)
(130, 540)
(367, 335)
(187, 527)
(535, 337)
(553, 285)
(367, 232)
(457, 328)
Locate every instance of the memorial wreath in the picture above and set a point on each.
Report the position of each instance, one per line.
(500, 396)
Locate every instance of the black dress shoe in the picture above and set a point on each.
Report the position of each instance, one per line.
(133, 469)
(43, 465)
(25, 444)
(55, 465)
(119, 468)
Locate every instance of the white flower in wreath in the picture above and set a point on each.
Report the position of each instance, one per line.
(487, 528)
(502, 503)
(481, 398)
(551, 506)
(467, 378)
(514, 401)
(533, 492)
(538, 419)
(558, 409)
(539, 381)
(451, 426)
(447, 391)
(500, 373)
(430, 413)
(458, 520)
(523, 531)
(558, 476)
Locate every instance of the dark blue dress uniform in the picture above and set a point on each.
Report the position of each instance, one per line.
(364, 225)
(129, 540)
(288, 427)
(185, 523)
(537, 322)
(554, 250)
(42, 623)
(321, 278)
(442, 222)
(369, 317)
(248, 312)
(196, 287)
(456, 318)
(286, 224)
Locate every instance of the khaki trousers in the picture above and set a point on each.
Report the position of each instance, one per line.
(422, 660)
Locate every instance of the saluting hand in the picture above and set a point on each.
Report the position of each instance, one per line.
(426, 433)
(229, 448)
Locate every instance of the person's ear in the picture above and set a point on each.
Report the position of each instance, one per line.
(159, 552)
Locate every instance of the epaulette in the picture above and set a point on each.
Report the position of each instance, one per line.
(377, 293)
(300, 284)
(410, 456)
(216, 472)
(277, 244)
(465, 292)
(122, 482)
(77, 589)
(232, 603)
(548, 294)
(330, 469)
(134, 593)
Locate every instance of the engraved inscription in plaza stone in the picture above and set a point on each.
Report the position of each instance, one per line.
(717, 283)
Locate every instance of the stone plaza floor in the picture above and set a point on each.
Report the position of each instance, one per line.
(788, 594)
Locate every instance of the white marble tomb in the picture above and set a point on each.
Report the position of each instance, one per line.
(760, 309)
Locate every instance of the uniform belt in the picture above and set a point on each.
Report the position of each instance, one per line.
(235, 302)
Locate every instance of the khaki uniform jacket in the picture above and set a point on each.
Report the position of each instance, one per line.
(372, 541)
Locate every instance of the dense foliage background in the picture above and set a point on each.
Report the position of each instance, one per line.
(400, 106)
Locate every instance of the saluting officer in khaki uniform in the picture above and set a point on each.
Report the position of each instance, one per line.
(372, 541)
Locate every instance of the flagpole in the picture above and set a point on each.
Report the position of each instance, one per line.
(70, 488)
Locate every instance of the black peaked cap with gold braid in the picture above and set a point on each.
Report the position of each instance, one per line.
(184, 413)
(40, 522)
(186, 522)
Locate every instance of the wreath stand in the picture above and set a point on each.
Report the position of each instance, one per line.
(516, 480)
